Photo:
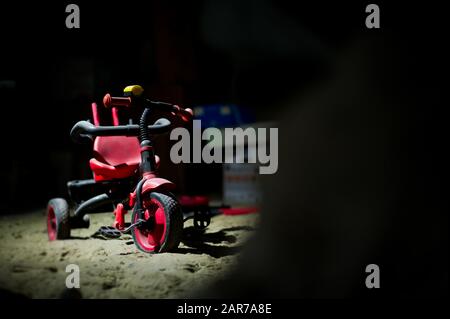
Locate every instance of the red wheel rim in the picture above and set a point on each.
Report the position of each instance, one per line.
(51, 223)
(151, 239)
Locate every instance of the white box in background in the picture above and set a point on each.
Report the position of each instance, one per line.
(240, 183)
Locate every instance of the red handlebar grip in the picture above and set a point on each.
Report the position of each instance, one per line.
(109, 101)
(186, 114)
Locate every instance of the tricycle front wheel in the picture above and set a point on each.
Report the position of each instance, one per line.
(163, 226)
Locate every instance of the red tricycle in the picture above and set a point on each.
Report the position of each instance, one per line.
(124, 168)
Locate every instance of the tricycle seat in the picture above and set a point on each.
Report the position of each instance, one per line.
(116, 157)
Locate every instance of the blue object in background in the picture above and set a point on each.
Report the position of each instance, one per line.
(223, 115)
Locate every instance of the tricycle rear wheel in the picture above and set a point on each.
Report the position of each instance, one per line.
(58, 226)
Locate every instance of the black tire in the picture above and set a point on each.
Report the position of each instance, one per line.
(173, 220)
(58, 214)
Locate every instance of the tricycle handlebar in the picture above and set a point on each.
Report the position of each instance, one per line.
(185, 114)
(83, 131)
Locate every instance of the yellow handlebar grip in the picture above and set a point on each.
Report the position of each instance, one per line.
(133, 90)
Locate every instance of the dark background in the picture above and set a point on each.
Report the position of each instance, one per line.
(253, 53)
(258, 54)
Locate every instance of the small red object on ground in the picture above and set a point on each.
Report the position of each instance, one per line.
(239, 211)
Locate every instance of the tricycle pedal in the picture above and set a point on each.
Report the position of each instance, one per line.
(107, 232)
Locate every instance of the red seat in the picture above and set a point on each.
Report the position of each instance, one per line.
(115, 157)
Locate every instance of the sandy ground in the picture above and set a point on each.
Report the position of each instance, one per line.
(34, 267)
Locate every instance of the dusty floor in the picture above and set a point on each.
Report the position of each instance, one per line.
(32, 266)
